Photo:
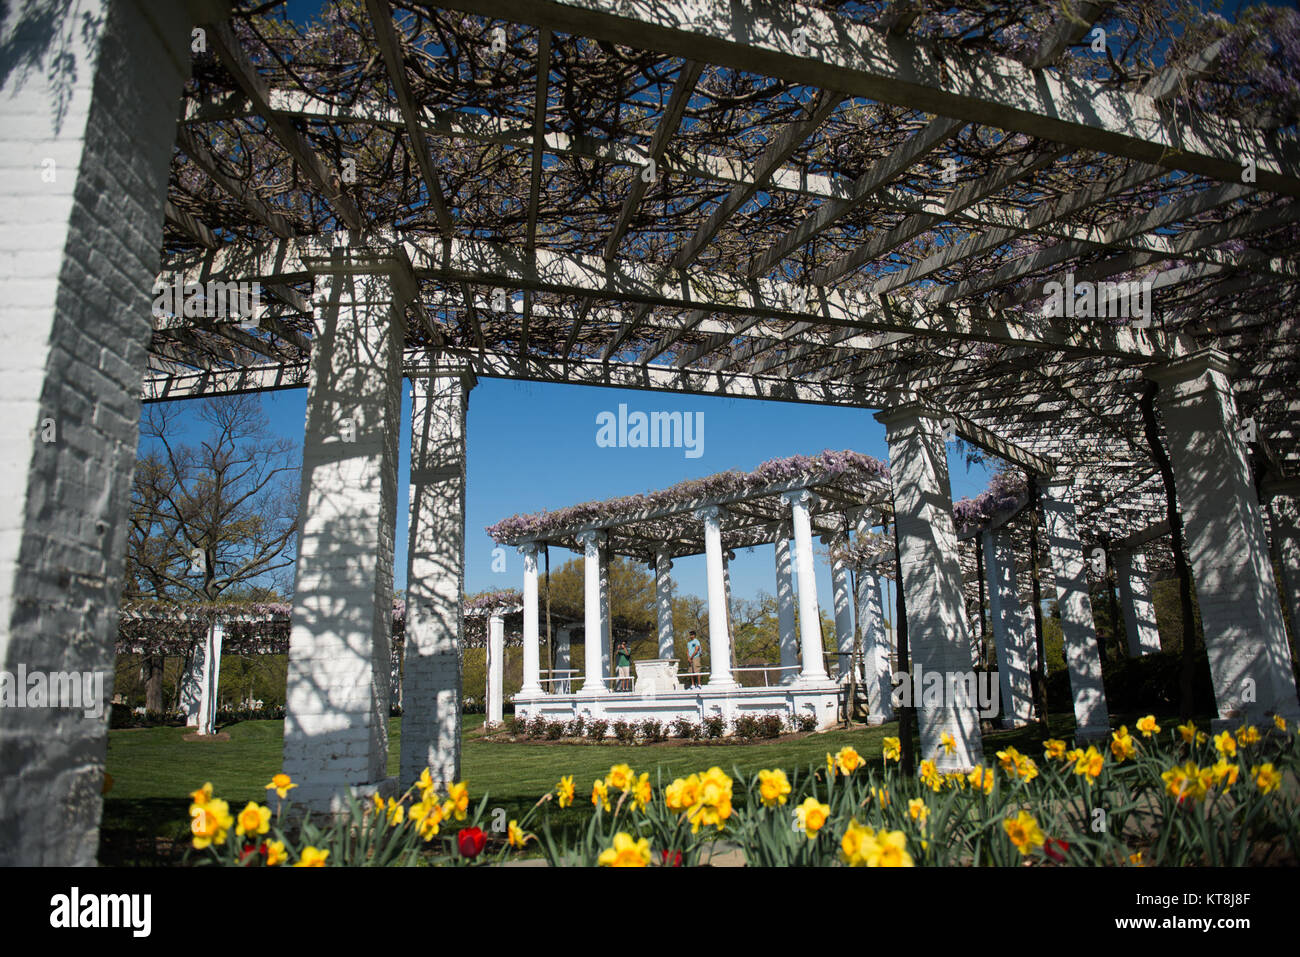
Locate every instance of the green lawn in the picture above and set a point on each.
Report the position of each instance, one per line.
(154, 770)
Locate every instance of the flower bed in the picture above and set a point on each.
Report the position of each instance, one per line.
(1151, 797)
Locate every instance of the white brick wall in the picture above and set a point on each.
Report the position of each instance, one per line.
(336, 722)
(97, 93)
(435, 579)
(1078, 629)
(1245, 638)
(937, 632)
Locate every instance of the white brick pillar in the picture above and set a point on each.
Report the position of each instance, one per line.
(842, 600)
(1135, 598)
(1012, 629)
(210, 678)
(1078, 629)
(1245, 638)
(875, 648)
(1286, 549)
(532, 640)
(786, 635)
(496, 653)
(810, 619)
(606, 616)
(719, 612)
(593, 673)
(336, 714)
(88, 101)
(938, 634)
(663, 567)
(435, 577)
(395, 676)
(562, 684)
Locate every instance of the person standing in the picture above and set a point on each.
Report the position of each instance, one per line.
(694, 652)
(623, 664)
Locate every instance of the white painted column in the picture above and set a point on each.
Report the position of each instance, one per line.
(496, 653)
(810, 620)
(191, 690)
(1286, 550)
(938, 633)
(593, 676)
(719, 613)
(664, 602)
(563, 661)
(1135, 599)
(336, 715)
(1011, 629)
(88, 98)
(1245, 637)
(395, 675)
(787, 636)
(875, 648)
(435, 577)
(532, 652)
(1078, 628)
(211, 678)
(606, 618)
(842, 599)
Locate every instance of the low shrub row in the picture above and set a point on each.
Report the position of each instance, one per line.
(747, 727)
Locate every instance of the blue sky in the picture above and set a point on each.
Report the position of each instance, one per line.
(532, 446)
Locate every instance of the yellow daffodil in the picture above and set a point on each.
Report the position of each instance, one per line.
(1121, 745)
(1024, 832)
(600, 794)
(892, 749)
(428, 815)
(458, 798)
(858, 845)
(1009, 760)
(847, 760)
(275, 853)
(311, 857)
(1188, 732)
(515, 835)
(1188, 781)
(626, 852)
(396, 813)
(713, 802)
(1267, 779)
(773, 787)
(1248, 735)
(947, 743)
(1135, 858)
(281, 783)
(1279, 722)
(981, 779)
(1090, 764)
(812, 815)
(680, 796)
(881, 795)
(1073, 755)
(253, 819)
(892, 851)
(564, 791)
(830, 764)
(1148, 726)
(425, 782)
(1054, 749)
(203, 795)
(1225, 770)
(1226, 744)
(917, 810)
(210, 821)
(930, 776)
(621, 777)
(642, 792)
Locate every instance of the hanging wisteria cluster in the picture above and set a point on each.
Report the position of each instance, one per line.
(1008, 490)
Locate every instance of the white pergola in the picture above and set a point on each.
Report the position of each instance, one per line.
(860, 205)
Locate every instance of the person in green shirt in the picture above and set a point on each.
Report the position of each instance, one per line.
(623, 666)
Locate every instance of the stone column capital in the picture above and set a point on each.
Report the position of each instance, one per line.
(529, 549)
(908, 408)
(800, 496)
(710, 513)
(592, 537)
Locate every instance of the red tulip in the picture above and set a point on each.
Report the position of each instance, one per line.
(1056, 855)
(674, 861)
(471, 841)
